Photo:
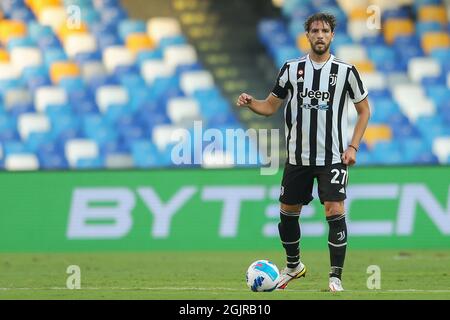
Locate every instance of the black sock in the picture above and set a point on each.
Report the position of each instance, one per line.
(337, 243)
(289, 230)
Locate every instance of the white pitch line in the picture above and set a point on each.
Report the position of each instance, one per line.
(223, 289)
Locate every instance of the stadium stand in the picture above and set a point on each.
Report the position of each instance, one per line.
(109, 90)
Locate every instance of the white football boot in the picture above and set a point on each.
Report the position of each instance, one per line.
(289, 274)
(335, 284)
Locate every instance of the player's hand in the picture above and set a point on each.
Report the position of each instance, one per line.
(349, 157)
(244, 100)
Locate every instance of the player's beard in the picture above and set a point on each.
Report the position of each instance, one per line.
(320, 52)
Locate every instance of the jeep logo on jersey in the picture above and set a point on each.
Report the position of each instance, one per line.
(319, 95)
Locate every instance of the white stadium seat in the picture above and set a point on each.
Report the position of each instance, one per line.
(419, 68)
(441, 148)
(110, 95)
(53, 17)
(22, 57)
(351, 53)
(167, 134)
(152, 69)
(119, 161)
(374, 80)
(162, 27)
(92, 69)
(16, 96)
(413, 101)
(395, 78)
(32, 122)
(8, 72)
(21, 162)
(79, 149)
(115, 56)
(80, 43)
(196, 80)
(180, 55)
(217, 159)
(357, 29)
(183, 109)
(49, 95)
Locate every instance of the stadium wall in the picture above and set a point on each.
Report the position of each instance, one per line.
(387, 207)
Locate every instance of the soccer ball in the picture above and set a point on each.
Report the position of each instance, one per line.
(262, 275)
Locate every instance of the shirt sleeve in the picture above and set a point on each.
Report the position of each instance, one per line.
(356, 88)
(281, 87)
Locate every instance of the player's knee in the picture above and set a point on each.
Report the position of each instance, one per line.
(290, 208)
(334, 208)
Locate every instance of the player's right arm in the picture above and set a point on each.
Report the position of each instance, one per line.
(265, 107)
(273, 102)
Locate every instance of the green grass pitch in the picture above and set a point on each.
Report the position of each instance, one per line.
(208, 275)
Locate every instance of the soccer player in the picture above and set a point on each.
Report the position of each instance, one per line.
(317, 88)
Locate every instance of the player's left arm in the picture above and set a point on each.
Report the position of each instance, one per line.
(358, 94)
(363, 110)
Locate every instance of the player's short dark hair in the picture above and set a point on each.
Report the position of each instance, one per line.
(321, 16)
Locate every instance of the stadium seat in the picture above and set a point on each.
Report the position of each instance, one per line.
(164, 135)
(137, 42)
(118, 161)
(80, 149)
(413, 101)
(80, 43)
(23, 57)
(394, 28)
(364, 66)
(60, 70)
(441, 148)
(115, 56)
(129, 26)
(21, 162)
(152, 69)
(179, 55)
(110, 95)
(196, 80)
(373, 80)
(376, 133)
(433, 13)
(92, 69)
(32, 122)
(352, 53)
(17, 96)
(418, 68)
(66, 30)
(434, 40)
(183, 110)
(358, 29)
(302, 42)
(162, 27)
(53, 16)
(49, 95)
(11, 29)
(218, 159)
(8, 72)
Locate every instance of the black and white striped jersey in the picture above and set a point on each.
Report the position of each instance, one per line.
(316, 110)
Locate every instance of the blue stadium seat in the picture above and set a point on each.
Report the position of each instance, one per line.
(428, 26)
(52, 161)
(145, 154)
(90, 163)
(22, 14)
(129, 26)
(36, 139)
(20, 42)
